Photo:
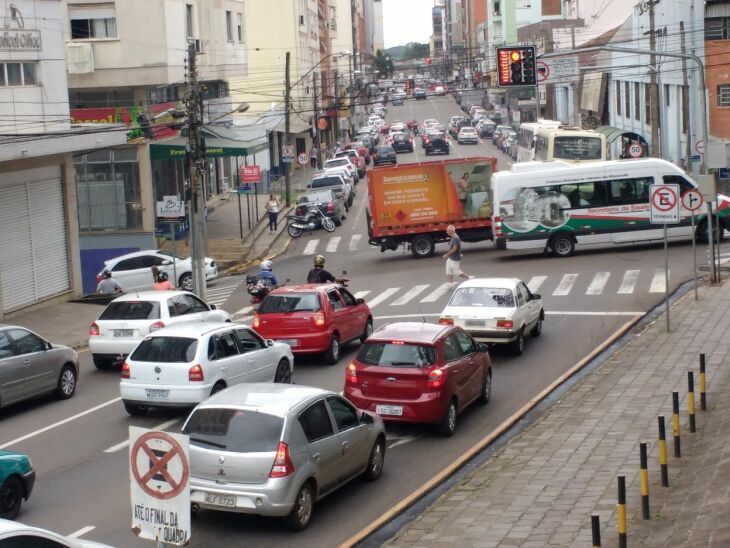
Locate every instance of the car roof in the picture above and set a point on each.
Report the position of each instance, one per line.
(413, 332)
(192, 330)
(271, 398)
(502, 283)
(150, 295)
(135, 254)
(303, 288)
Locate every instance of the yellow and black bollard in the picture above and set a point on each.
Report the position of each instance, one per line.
(663, 452)
(691, 400)
(621, 512)
(675, 424)
(703, 395)
(596, 530)
(644, 472)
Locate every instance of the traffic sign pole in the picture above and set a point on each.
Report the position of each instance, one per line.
(666, 275)
(694, 254)
(692, 200)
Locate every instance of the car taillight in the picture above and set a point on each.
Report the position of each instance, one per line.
(497, 226)
(157, 325)
(318, 318)
(283, 465)
(195, 373)
(351, 374)
(330, 207)
(125, 370)
(446, 321)
(506, 324)
(94, 330)
(256, 321)
(436, 378)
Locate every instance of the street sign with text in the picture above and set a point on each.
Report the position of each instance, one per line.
(287, 153)
(664, 204)
(251, 174)
(171, 207)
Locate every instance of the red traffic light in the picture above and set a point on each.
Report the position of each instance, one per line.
(516, 66)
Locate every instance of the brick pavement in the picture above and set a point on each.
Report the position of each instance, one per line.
(541, 488)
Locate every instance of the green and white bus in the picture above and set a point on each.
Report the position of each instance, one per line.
(556, 206)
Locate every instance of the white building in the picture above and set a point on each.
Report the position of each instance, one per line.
(379, 39)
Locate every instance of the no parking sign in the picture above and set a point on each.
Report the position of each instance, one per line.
(664, 202)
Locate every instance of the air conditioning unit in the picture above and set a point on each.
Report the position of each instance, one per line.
(301, 20)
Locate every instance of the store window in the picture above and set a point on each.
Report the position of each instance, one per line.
(108, 190)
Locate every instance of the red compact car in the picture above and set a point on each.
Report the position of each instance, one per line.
(419, 372)
(313, 318)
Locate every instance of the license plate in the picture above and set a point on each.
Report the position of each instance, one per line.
(396, 410)
(123, 332)
(290, 342)
(154, 394)
(474, 323)
(220, 500)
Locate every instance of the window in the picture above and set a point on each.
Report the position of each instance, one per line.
(93, 21)
(667, 90)
(584, 194)
(684, 109)
(26, 342)
(178, 306)
(248, 341)
(195, 304)
(229, 26)
(18, 74)
(239, 26)
(348, 298)
(647, 104)
(485, 297)
(237, 430)
(684, 184)
(618, 98)
(451, 349)
(345, 415)
(717, 28)
(334, 300)
(225, 346)
(294, 302)
(108, 190)
(315, 421)
(723, 95)
(630, 191)
(396, 354)
(465, 343)
(189, 20)
(32, 541)
(6, 349)
(627, 99)
(166, 350)
(637, 100)
(131, 310)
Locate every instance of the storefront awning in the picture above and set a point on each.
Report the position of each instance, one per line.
(215, 146)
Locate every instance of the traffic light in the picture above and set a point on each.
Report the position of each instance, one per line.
(516, 66)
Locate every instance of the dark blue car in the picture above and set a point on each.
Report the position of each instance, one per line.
(384, 155)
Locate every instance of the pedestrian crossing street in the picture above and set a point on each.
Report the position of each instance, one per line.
(220, 290)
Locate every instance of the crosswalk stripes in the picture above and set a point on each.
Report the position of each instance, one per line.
(333, 243)
(218, 293)
(409, 295)
(535, 283)
(657, 282)
(383, 296)
(598, 282)
(311, 247)
(354, 241)
(629, 282)
(565, 285)
(362, 294)
(437, 293)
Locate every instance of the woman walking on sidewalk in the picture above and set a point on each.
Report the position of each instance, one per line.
(273, 205)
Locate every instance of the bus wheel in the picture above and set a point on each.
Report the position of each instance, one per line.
(562, 245)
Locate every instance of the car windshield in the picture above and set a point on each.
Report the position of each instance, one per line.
(396, 354)
(315, 197)
(235, 430)
(468, 130)
(384, 150)
(483, 297)
(131, 310)
(166, 350)
(336, 163)
(326, 181)
(291, 302)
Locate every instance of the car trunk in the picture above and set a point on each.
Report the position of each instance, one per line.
(121, 329)
(397, 383)
(159, 373)
(474, 317)
(284, 314)
(246, 468)
(163, 360)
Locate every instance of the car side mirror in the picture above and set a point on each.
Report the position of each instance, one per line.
(49, 346)
(366, 418)
(535, 296)
(165, 263)
(483, 347)
(269, 342)
(213, 307)
(360, 301)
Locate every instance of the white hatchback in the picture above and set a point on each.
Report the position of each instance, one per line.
(496, 310)
(129, 318)
(183, 365)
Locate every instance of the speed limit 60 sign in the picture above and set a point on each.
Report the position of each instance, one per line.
(664, 204)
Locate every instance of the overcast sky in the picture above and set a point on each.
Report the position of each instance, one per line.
(410, 20)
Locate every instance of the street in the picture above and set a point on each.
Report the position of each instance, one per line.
(78, 446)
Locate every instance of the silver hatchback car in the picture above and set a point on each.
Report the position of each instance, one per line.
(274, 450)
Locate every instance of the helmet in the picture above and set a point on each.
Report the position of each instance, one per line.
(338, 143)
(318, 260)
(106, 274)
(162, 277)
(266, 265)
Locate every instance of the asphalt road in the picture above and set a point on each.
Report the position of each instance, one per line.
(78, 446)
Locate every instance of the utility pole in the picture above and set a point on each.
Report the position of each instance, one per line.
(318, 140)
(337, 106)
(653, 89)
(287, 132)
(196, 148)
(685, 97)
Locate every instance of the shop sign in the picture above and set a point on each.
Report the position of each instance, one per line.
(13, 34)
(128, 117)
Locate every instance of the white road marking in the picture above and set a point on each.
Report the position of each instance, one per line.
(437, 293)
(82, 531)
(547, 313)
(333, 243)
(164, 426)
(311, 247)
(60, 423)
(402, 441)
(245, 311)
(628, 284)
(410, 294)
(598, 283)
(361, 294)
(535, 283)
(565, 285)
(354, 241)
(657, 282)
(383, 296)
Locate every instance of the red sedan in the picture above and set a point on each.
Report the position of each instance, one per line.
(419, 372)
(313, 318)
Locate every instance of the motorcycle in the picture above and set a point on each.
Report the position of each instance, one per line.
(313, 218)
(258, 288)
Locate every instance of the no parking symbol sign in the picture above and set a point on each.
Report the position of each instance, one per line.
(664, 204)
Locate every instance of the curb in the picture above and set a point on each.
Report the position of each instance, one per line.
(265, 253)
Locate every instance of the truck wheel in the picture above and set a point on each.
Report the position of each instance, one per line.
(422, 246)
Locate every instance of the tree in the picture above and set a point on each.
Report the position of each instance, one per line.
(415, 50)
(383, 64)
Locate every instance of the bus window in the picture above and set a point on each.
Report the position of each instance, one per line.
(684, 184)
(630, 191)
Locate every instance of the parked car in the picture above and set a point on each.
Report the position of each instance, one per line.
(181, 366)
(18, 535)
(467, 134)
(330, 201)
(17, 477)
(419, 93)
(336, 179)
(498, 133)
(496, 310)
(439, 90)
(314, 318)
(343, 161)
(506, 135)
(355, 158)
(436, 141)
(130, 318)
(384, 155)
(419, 372)
(456, 127)
(362, 147)
(402, 142)
(133, 270)
(486, 127)
(275, 450)
(397, 101)
(31, 366)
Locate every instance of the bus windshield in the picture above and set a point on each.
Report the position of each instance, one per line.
(577, 148)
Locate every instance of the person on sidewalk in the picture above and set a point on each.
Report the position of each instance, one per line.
(273, 206)
(453, 256)
(162, 283)
(108, 285)
(314, 156)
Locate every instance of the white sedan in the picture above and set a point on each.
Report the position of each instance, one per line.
(496, 310)
(133, 270)
(183, 365)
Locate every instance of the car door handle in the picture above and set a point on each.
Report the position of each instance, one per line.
(456, 370)
(315, 457)
(345, 445)
(26, 362)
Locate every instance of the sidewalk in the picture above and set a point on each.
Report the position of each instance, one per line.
(541, 488)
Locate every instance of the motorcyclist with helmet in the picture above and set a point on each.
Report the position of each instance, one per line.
(267, 275)
(162, 283)
(259, 285)
(318, 274)
(108, 285)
